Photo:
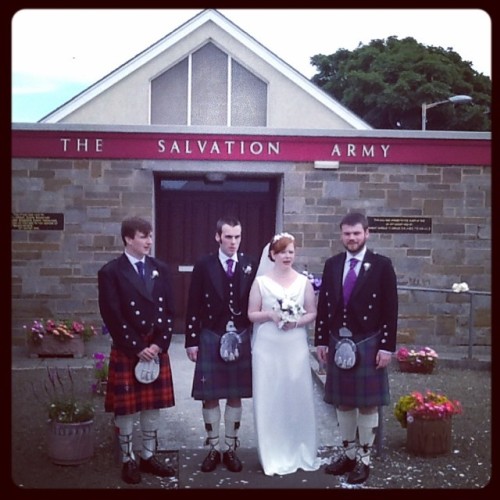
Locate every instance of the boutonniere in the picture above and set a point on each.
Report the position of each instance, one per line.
(155, 274)
(247, 269)
(366, 266)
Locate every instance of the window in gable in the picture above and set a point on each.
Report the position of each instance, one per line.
(198, 91)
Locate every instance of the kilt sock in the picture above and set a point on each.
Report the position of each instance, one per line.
(211, 417)
(125, 429)
(232, 419)
(348, 424)
(367, 427)
(149, 428)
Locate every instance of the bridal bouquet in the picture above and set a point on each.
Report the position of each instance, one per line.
(290, 311)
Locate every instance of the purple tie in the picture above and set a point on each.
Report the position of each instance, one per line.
(230, 271)
(350, 280)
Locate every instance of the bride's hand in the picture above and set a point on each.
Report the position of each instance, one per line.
(274, 317)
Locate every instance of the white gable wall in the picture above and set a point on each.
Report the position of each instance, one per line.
(127, 102)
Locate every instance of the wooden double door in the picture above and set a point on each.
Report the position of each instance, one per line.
(187, 210)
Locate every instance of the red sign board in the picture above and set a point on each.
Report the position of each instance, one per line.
(225, 147)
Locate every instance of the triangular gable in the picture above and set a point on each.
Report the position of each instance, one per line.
(184, 31)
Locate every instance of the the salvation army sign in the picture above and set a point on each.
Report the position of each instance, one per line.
(224, 147)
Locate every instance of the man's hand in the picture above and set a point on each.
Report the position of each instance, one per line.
(322, 352)
(383, 359)
(192, 353)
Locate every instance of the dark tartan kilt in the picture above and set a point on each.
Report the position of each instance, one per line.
(215, 378)
(362, 385)
(125, 395)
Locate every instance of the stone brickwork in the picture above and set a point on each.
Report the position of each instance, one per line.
(54, 273)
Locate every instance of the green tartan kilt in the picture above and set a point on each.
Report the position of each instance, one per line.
(215, 378)
(362, 385)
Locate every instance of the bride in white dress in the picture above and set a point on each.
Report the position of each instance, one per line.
(282, 382)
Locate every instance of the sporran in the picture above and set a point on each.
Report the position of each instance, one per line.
(147, 372)
(230, 344)
(345, 356)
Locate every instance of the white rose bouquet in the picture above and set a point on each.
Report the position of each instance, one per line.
(290, 311)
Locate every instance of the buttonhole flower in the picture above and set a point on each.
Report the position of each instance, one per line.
(247, 269)
(155, 274)
(367, 266)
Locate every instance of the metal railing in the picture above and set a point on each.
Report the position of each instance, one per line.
(472, 298)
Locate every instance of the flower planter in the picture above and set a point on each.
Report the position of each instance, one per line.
(51, 346)
(101, 387)
(406, 366)
(70, 444)
(428, 437)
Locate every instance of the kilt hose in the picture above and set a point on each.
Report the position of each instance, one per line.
(362, 385)
(215, 378)
(125, 395)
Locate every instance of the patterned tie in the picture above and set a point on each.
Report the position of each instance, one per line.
(140, 268)
(350, 280)
(230, 271)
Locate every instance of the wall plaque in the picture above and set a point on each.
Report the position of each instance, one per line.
(400, 224)
(37, 221)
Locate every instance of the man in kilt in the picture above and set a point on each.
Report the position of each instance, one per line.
(136, 305)
(218, 303)
(363, 323)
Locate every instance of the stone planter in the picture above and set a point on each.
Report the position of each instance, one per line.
(428, 437)
(406, 366)
(51, 346)
(70, 444)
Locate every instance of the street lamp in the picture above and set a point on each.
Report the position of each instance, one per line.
(455, 99)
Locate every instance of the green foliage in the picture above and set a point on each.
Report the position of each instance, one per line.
(62, 404)
(386, 82)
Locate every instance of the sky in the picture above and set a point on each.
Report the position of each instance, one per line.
(57, 53)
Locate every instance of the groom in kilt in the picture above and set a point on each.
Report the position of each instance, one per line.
(218, 340)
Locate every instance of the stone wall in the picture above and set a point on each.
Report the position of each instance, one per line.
(54, 273)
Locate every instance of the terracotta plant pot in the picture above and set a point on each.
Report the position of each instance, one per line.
(406, 366)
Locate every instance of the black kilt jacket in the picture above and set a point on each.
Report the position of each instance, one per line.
(137, 313)
(213, 300)
(372, 309)
(132, 308)
(209, 297)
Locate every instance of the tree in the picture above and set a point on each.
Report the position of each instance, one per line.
(386, 82)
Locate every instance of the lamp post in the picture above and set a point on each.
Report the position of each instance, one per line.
(455, 99)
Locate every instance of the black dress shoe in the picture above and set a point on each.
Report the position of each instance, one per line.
(231, 461)
(341, 466)
(359, 474)
(130, 472)
(211, 461)
(157, 467)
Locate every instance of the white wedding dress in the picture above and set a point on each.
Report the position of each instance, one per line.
(283, 388)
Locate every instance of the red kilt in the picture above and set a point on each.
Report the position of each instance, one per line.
(362, 385)
(125, 395)
(215, 378)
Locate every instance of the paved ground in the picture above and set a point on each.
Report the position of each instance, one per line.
(182, 434)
